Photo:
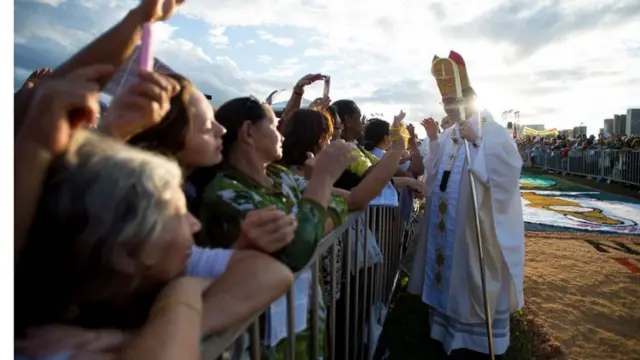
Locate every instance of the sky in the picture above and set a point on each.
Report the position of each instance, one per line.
(560, 63)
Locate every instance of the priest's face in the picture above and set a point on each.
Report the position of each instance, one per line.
(450, 104)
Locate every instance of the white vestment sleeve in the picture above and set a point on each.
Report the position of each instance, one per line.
(504, 167)
(209, 263)
(478, 166)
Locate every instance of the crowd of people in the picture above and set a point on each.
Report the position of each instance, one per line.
(143, 226)
(566, 143)
(613, 157)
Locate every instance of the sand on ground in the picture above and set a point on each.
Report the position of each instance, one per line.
(589, 302)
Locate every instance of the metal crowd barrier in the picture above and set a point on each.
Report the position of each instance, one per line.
(367, 291)
(602, 164)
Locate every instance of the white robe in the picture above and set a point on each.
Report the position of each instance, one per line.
(457, 305)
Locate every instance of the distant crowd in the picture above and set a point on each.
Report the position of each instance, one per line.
(613, 157)
(566, 143)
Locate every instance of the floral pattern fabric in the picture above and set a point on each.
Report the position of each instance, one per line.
(232, 194)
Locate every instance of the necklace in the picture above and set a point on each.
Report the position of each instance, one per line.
(442, 208)
(451, 159)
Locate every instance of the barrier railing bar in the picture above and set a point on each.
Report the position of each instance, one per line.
(332, 306)
(378, 284)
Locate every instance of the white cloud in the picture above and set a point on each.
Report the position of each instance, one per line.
(559, 62)
(217, 37)
(314, 52)
(53, 3)
(265, 59)
(368, 43)
(282, 41)
(289, 69)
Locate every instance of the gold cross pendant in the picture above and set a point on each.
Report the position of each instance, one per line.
(440, 259)
(442, 207)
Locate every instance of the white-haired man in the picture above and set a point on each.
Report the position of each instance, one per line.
(446, 272)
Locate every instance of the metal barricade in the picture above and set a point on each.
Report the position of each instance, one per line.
(601, 164)
(363, 302)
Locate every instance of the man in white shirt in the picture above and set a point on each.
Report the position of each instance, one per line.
(446, 270)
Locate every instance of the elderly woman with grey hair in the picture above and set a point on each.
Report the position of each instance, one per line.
(111, 230)
(108, 229)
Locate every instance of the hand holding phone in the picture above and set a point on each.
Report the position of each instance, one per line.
(146, 50)
(327, 86)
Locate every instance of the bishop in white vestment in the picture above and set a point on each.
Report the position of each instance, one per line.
(446, 270)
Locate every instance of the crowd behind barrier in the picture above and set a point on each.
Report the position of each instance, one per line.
(158, 207)
(160, 227)
(616, 158)
(374, 286)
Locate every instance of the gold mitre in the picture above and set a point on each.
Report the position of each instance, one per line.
(443, 70)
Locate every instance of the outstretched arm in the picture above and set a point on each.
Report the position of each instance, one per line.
(250, 283)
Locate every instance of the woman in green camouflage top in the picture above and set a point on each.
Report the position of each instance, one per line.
(247, 180)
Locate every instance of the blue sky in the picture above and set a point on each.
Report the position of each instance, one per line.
(559, 62)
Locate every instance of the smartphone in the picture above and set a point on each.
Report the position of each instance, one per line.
(327, 86)
(146, 50)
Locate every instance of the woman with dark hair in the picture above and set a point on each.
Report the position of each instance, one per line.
(183, 127)
(336, 121)
(377, 141)
(187, 132)
(307, 132)
(250, 149)
(376, 135)
(351, 117)
(248, 179)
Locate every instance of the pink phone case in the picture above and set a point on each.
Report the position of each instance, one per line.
(146, 50)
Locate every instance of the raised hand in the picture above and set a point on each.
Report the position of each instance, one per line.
(413, 138)
(333, 159)
(35, 76)
(267, 230)
(419, 188)
(431, 126)
(139, 106)
(158, 10)
(307, 80)
(398, 119)
(398, 133)
(61, 105)
(467, 131)
(412, 130)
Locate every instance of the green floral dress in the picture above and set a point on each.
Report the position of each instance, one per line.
(232, 194)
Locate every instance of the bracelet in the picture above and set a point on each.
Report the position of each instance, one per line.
(176, 302)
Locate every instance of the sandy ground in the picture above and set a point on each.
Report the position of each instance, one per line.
(588, 300)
